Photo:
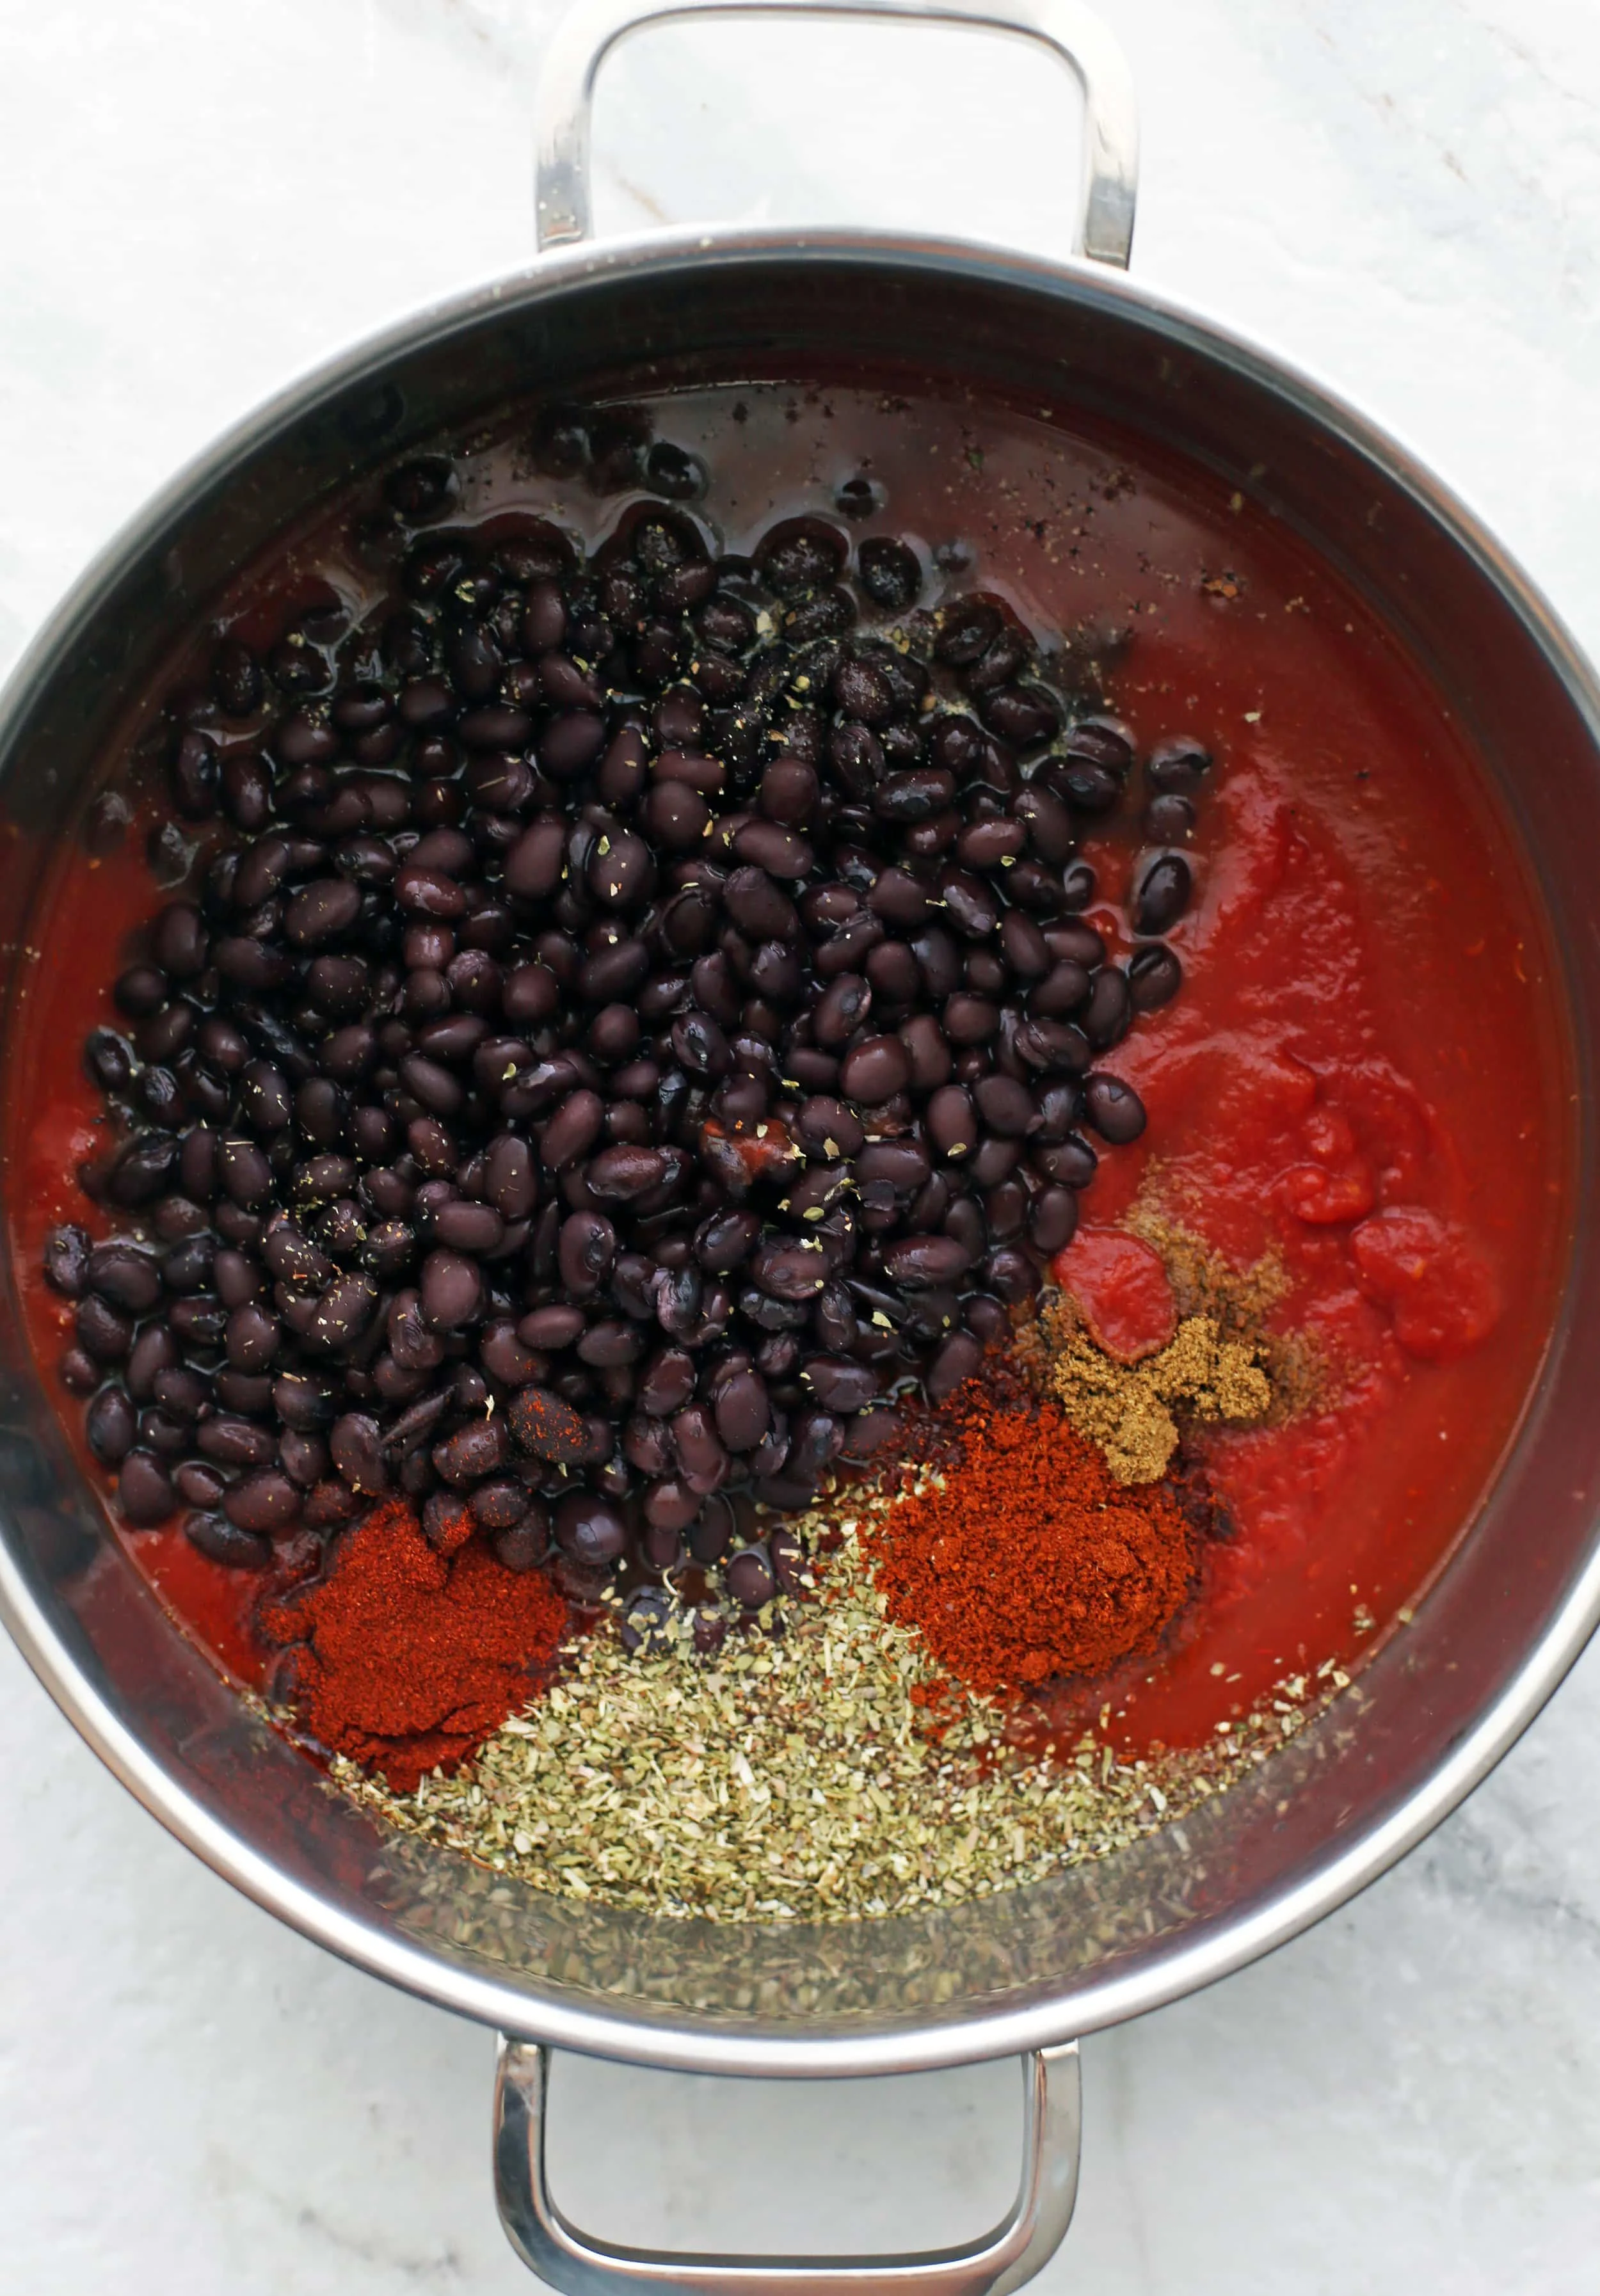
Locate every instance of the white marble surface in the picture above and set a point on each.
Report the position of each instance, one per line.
(198, 200)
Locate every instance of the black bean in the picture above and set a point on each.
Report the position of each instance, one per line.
(415, 1424)
(959, 1358)
(1062, 991)
(1054, 1047)
(1155, 977)
(952, 1122)
(1163, 893)
(586, 1249)
(1005, 1208)
(756, 905)
(154, 1350)
(969, 904)
(244, 1172)
(905, 1164)
(1169, 820)
(889, 573)
(225, 1542)
(918, 794)
(544, 1425)
(800, 555)
(199, 1486)
(1108, 1014)
(989, 845)
(874, 1070)
(744, 1411)
(452, 1290)
(787, 793)
(1114, 1108)
(610, 1344)
(236, 678)
(790, 1271)
(102, 1331)
(1178, 767)
(526, 1544)
(589, 1529)
(320, 912)
(355, 1442)
(970, 1020)
(839, 1385)
(144, 1492)
(994, 1160)
(702, 1459)
(120, 1272)
(344, 1310)
(573, 1131)
(428, 892)
(616, 971)
(304, 1459)
(143, 1169)
(500, 1504)
(749, 1577)
(840, 1011)
(1004, 1105)
(182, 1393)
(303, 1400)
(621, 872)
(917, 1262)
(108, 1059)
(263, 1501)
(234, 1442)
(1052, 1219)
(111, 1426)
(1071, 1161)
(571, 742)
(469, 1227)
(474, 1451)
(1011, 1274)
(550, 1329)
(195, 774)
(665, 1383)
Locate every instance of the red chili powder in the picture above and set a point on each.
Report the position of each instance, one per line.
(408, 1657)
(1030, 1562)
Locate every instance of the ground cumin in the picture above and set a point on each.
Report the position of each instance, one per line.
(1025, 1559)
(406, 1658)
(1127, 1410)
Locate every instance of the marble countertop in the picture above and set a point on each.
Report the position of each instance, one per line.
(1403, 195)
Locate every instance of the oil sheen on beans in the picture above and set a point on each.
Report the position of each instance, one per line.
(1368, 1018)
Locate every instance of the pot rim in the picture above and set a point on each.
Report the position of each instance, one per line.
(645, 2036)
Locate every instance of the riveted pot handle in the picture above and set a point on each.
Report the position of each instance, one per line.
(591, 28)
(579, 2266)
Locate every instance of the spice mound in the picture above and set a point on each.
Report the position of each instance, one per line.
(1129, 1411)
(1028, 1561)
(410, 1658)
(802, 1776)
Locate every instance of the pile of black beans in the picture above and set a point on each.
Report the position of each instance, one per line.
(628, 1019)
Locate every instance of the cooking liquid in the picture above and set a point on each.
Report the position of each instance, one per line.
(1368, 988)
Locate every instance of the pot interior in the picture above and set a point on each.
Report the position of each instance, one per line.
(1511, 1611)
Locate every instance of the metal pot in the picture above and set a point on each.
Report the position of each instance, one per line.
(1024, 1973)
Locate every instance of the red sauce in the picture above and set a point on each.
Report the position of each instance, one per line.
(1365, 1072)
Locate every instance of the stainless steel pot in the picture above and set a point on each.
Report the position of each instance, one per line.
(1028, 1972)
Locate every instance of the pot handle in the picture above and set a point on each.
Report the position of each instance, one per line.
(999, 2260)
(590, 29)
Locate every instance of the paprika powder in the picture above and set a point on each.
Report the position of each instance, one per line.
(406, 1658)
(1027, 1561)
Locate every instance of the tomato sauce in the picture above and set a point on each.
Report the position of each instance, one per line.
(1364, 1074)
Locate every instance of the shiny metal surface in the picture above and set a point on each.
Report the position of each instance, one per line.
(1435, 1709)
(585, 36)
(1018, 2247)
